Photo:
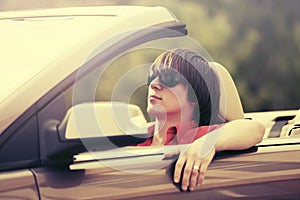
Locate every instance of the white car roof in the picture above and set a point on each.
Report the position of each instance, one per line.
(38, 47)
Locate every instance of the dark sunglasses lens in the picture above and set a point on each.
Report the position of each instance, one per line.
(167, 78)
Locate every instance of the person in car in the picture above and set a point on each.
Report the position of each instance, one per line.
(183, 96)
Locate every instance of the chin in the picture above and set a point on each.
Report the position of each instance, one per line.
(156, 110)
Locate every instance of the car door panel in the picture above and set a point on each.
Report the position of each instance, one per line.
(265, 173)
(100, 184)
(19, 184)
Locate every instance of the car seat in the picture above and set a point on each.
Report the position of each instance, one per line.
(230, 104)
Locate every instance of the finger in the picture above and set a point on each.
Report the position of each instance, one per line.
(203, 168)
(178, 168)
(187, 174)
(194, 175)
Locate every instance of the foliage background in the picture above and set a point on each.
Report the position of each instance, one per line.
(258, 41)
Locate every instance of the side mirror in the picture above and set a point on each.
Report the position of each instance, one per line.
(102, 119)
(93, 126)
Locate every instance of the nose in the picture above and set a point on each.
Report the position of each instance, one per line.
(155, 84)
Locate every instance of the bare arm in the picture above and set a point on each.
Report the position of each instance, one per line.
(239, 134)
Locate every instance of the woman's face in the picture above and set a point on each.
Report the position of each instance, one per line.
(167, 101)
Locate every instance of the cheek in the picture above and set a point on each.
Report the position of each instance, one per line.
(177, 100)
(180, 94)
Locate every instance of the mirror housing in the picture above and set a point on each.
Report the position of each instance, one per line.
(102, 119)
(93, 126)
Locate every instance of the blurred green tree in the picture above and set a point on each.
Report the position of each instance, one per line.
(268, 76)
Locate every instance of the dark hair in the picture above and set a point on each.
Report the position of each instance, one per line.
(201, 79)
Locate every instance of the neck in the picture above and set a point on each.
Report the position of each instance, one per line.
(166, 120)
(163, 123)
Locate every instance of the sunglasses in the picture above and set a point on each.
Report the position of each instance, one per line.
(167, 77)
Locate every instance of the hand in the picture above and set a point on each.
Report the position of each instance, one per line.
(194, 160)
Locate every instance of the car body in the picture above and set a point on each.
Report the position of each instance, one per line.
(49, 58)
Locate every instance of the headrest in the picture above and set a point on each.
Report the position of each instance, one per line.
(230, 104)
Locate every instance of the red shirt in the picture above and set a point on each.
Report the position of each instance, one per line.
(184, 133)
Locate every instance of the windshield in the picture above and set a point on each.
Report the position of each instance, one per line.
(29, 45)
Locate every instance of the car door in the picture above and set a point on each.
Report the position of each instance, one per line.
(261, 172)
(95, 180)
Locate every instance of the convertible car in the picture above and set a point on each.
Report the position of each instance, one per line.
(72, 108)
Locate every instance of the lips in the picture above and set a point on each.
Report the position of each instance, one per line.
(154, 97)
